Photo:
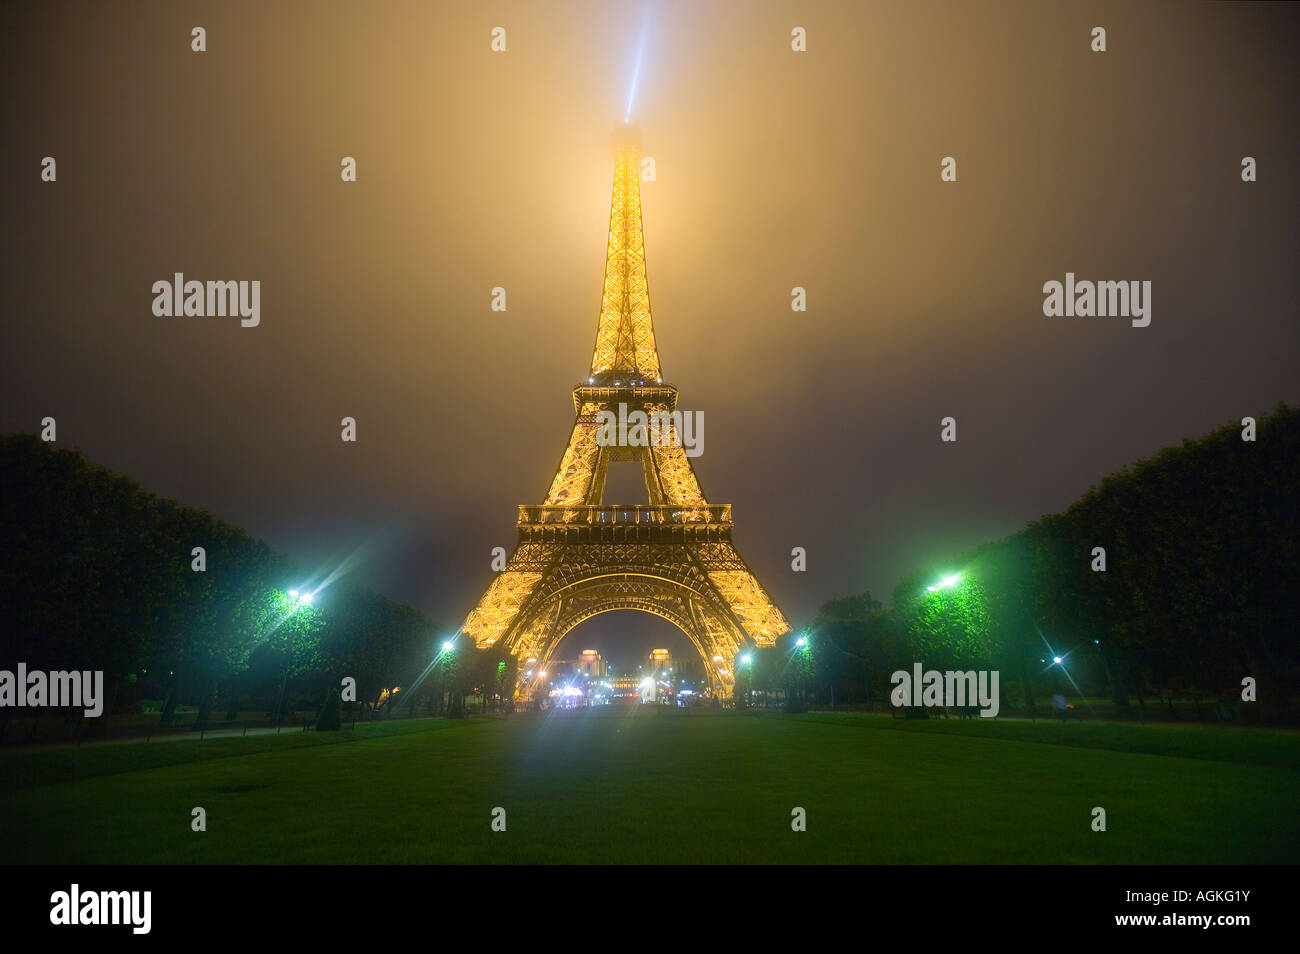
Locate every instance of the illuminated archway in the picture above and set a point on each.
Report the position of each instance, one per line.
(704, 621)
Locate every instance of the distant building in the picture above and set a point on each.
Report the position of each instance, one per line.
(591, 664)
(658, 683)
(623, 688)
(660, 663)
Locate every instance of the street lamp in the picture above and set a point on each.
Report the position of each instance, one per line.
(947, 583)
(448, 645)
(300, 600)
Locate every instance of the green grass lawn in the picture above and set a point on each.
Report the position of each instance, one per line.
(634, 785)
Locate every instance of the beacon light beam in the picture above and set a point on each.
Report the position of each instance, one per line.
(636, 70)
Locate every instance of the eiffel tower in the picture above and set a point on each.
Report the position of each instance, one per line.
(576, 556)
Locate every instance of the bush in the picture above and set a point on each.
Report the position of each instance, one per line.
(328, 719)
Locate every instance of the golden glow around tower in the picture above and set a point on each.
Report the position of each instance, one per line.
(576, 556)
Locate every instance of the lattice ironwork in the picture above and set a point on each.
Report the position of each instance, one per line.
(625, 337)
(499, 606)
(577, 557)
(572, 483)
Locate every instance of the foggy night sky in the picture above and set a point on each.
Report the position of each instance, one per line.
(775, 169)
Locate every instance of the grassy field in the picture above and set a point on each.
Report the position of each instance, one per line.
(634, 785)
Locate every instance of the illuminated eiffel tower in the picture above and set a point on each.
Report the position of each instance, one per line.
(577, 557)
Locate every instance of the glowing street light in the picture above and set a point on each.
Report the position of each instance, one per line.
(801, 642)
(746, 659)
(448, 646)
(300, 600)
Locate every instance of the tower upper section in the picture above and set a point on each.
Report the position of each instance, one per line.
(625, 337)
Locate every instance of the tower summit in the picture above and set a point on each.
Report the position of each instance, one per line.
(625, 335)
(576, 556)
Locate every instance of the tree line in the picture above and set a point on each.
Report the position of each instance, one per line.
(1177, 577)
(100, 574)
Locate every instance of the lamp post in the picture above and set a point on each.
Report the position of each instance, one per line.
(795, 686)
(745, 661)
(300, 600)
(448, 647)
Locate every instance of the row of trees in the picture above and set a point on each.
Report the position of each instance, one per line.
(1176, 576)
(1200, 589)
(98, 574)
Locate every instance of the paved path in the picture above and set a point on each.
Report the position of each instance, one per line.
(165, 735)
